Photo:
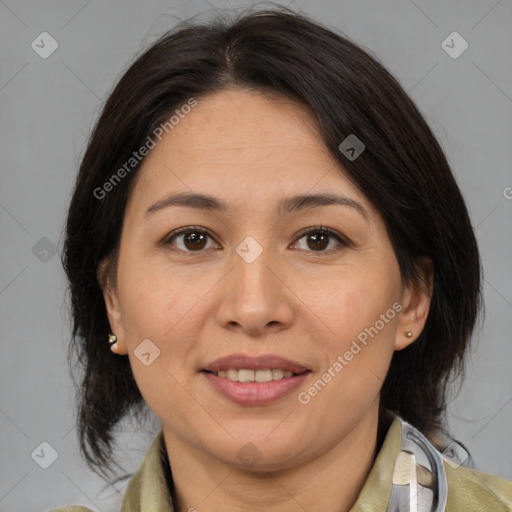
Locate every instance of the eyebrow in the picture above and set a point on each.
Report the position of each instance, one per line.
(287, 205)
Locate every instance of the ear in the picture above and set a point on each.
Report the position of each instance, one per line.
(110, 296)
(415, 305)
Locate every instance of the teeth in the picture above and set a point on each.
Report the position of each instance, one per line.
(232, 374)
(277, 374)
(244, 375)
(263, 376)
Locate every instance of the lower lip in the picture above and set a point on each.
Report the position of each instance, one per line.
(255, 393)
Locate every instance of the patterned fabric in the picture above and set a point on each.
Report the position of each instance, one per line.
(468, 490)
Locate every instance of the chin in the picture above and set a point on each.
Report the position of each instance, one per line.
(259, 453)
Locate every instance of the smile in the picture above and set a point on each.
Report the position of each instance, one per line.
(254, 379)
(245, 375)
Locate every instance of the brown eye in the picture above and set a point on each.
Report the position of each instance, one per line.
(195, 239)
(192, 239)
(318, 239)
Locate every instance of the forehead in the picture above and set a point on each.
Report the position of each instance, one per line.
(243, 146)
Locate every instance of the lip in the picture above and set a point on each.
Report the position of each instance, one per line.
(255, 393)
(263, 362)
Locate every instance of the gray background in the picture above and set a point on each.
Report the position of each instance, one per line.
(48, 107)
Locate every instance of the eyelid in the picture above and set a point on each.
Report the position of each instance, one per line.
(185, 229)
(341, 239)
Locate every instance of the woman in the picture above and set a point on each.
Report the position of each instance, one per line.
(269, 239)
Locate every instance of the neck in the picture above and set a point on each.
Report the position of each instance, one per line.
(331, 481)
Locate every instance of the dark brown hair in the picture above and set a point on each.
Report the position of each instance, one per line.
(402, 171)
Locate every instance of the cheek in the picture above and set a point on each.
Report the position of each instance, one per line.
(357, 302)
(163, 307)
(357, 357)
(362, 312)
(154, 300)
(159, 308)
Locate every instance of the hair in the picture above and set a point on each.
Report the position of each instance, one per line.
(403, 172)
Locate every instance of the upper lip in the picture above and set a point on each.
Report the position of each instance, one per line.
(246, 362)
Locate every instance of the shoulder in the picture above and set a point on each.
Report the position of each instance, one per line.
(471, 490)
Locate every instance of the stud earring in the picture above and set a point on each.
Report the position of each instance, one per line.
(408, 334)
(112, 341)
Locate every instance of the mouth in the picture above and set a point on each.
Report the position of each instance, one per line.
(248, 375)
(259, 380)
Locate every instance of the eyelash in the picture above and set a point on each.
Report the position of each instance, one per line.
(344, 242)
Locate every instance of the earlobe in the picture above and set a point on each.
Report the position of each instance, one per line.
(115, 341)
(415, 307)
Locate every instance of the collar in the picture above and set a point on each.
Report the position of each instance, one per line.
(147, 489)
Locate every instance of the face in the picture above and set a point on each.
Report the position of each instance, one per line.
(256, 282)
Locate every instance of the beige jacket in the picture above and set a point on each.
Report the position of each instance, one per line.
(468, 490)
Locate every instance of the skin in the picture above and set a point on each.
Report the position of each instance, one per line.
(293, 300)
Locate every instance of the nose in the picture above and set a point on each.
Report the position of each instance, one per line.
(255, 298)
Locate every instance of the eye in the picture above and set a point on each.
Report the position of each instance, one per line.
(318, 238)
(194, 238)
